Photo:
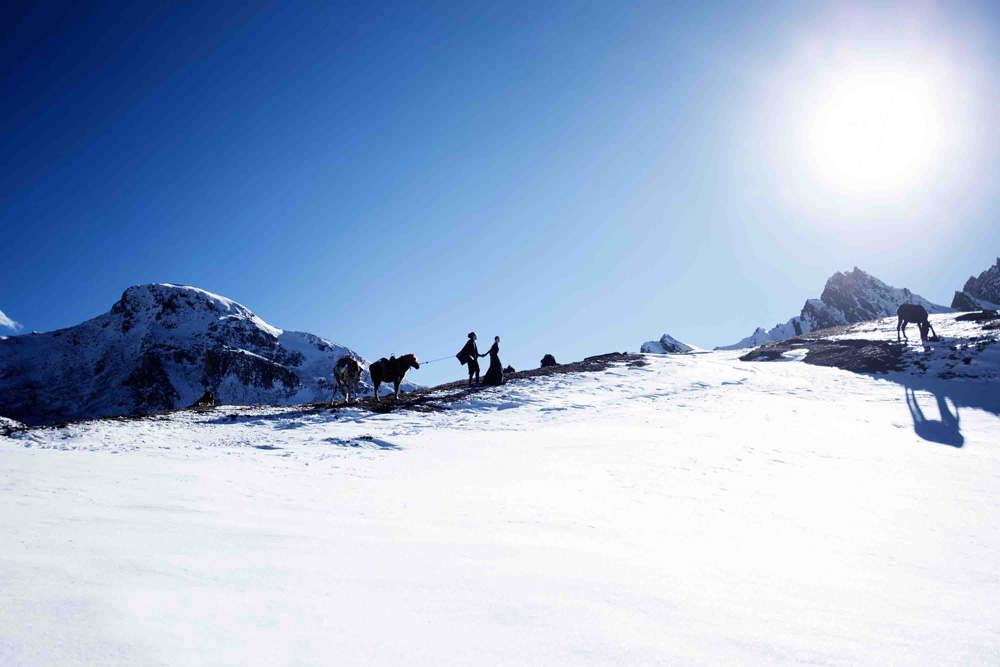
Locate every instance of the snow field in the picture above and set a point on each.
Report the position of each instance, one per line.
(697, 510)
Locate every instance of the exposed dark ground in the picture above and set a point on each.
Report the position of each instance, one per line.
(430, 399)
(856, 355)
(859, 356)
(873, 355)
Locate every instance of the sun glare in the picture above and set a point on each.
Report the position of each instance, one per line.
(876, 131)
(874, 126)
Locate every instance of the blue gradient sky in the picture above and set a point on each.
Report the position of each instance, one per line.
(577, 178)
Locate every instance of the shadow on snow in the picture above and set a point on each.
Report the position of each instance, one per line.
(950, 395)
(888, 360)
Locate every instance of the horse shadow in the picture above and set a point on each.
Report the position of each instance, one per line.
(945, 431)
(951, 396)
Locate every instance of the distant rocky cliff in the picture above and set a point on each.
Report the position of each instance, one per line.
(979, 293)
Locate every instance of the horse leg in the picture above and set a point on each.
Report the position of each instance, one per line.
(397, 389)
(899, 323)
(929, 326)
(377, 384)
(903, 324)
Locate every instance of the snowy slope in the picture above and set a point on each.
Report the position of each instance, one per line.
(849, 297)
(666, 345)
(980, 292)
(697, 510)
(162, 346)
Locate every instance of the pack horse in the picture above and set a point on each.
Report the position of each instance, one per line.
(392, 370)
(346, 375)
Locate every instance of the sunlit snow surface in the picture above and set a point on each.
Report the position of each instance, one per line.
(697, 510)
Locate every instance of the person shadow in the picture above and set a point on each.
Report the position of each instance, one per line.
(945, 431)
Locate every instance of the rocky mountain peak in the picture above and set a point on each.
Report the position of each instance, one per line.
(170, 306)
(982, 292)
(666, 345)
(848, 297)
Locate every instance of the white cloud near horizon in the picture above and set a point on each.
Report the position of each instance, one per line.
(9, 323)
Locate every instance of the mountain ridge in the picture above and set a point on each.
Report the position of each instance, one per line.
(161, 346)
(847, 298)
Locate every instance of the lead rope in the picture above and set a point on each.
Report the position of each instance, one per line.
(437, 360)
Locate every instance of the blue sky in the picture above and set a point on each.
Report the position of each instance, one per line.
(577, 178)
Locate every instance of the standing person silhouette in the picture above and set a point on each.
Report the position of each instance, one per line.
(470, 355)
(494, 375)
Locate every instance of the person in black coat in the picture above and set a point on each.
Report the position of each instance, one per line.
(494, 375)
(470, 356)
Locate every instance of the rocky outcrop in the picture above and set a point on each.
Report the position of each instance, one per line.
(982, 293)
(207, 400)
(8, 426)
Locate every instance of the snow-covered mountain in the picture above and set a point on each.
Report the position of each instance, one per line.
(160, 347)
(666, 345)
(979, 293)
(761, 336)
(847, 298)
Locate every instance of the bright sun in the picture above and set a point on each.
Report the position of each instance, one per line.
(875, 131)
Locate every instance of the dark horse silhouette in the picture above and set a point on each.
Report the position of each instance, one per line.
(391, 370)
(913, 312)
